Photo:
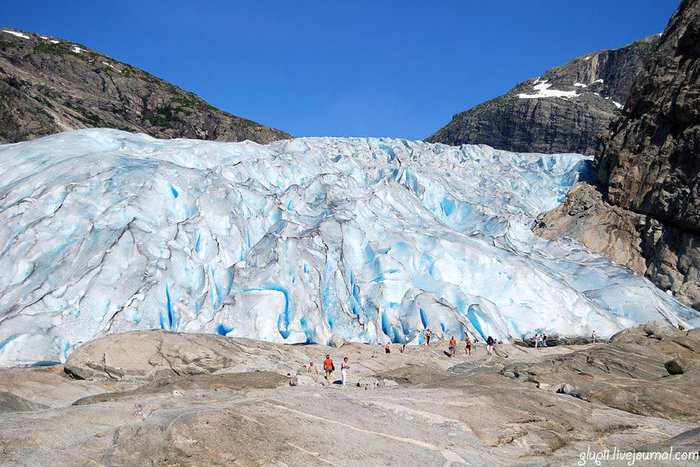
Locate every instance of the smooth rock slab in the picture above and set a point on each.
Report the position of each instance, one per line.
(12, 403)
(146, 355)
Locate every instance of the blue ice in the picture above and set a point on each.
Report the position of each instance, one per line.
(211, 237)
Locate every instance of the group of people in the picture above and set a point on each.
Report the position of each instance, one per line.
(541, 340)
(468, 345)
(328, 368)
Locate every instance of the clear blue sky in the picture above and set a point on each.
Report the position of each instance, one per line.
(344, 68)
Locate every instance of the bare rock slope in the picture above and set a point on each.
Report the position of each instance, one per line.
(212, 400)
(49, 85)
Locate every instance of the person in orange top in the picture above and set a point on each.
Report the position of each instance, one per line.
(453, 346)
(328, 366)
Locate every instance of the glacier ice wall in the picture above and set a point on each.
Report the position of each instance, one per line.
(103, 231)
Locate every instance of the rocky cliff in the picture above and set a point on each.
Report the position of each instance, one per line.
(561, 111)
(49, 85)
(648, 168)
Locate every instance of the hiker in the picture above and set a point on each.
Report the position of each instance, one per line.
(489, 345)
(403, 348)
(594, 337)
(312, 368)
(453, 346)
(387, 347)
(344, 370)
(544, 340)
(329, 367)
(538, 338)
(302, 369)
(428, 333)
(468, 346)
(681, 327)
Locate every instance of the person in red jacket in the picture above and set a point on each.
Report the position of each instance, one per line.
(328, 366)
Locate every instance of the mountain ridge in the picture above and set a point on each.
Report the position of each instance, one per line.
(48, 85)
(563, 110)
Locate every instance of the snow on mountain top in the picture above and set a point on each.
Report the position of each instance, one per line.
(15, 33)
(103, 231)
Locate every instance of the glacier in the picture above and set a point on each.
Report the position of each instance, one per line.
(103, 231)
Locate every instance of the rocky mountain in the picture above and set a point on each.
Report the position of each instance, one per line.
(50, 85)
(561, 111)
(647, 202)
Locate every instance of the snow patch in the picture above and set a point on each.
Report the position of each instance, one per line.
(580, 85)
(543, 91)
(15, 33)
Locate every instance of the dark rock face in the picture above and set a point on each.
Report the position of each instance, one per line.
(650, 158)
(49, 85)
(592, 89)
(646, 209)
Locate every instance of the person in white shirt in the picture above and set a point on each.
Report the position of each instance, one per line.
(344, 370)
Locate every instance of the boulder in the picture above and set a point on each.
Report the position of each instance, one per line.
(337, 341)
(368, 382)
(302, 380)
(659, 330)
(678, 366)
(146, 355)
(388, 383)
(566, 388)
